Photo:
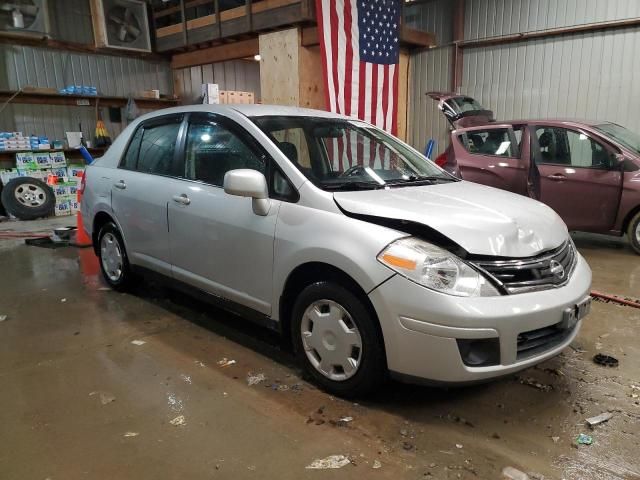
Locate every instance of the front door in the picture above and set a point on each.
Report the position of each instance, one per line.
(491, 156)
(139, 192)
(217, 243)
(579, 177)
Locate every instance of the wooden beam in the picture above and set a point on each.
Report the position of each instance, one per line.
(78, 47)
(220, 53)
(176, 9)
(412, 38)
(409, 38)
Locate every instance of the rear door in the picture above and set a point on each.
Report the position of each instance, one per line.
(579, 177)
(461, 110)
(492, 156)
(140, 192)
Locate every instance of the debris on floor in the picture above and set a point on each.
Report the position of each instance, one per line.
(185, 378)
(131, 434)
(603, 417)
(199, 363)
(532, 382)
(225, 362)
(138, 342)
(62, 300)
(514, 474)
(459, 445)
(255, 379)
(3, 318)
(584, 439)
(332, 461)
(105, 397)
(377, 464)
(178, 421)
(605, 360)
(555, 439)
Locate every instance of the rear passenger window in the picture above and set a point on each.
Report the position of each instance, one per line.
(157, 149)
(130, 159)
(213, 150)
(496, 142)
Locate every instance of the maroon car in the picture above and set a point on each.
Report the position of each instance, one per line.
(588, 172)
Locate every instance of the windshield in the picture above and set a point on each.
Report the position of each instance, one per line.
(339, 154)
(621, 135)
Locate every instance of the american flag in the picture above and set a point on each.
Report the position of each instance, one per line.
(360, 42)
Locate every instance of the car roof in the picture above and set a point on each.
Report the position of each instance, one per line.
(576, 122)
(249, 110)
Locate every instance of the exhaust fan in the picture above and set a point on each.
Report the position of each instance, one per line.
(121, 24)
(24, 18)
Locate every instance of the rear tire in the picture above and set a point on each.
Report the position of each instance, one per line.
(634, 233)
(114, 262)
(338, 341)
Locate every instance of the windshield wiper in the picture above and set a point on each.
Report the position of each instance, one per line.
(415, 179)
(346, 186)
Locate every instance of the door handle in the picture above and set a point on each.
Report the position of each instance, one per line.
(121, 185)
(181, 199)
(557, 177)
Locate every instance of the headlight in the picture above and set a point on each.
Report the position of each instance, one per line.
(435, 268)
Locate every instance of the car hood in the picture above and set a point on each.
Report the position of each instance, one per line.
(482, 220)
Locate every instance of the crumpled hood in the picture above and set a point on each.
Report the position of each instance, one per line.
(482, 220)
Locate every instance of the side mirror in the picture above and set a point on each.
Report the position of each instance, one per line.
(249, 183)
(619, 158)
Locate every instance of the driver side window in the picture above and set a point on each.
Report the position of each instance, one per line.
(213, 150)
(560, 146)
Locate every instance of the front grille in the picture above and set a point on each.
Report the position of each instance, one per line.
(548, 270)
(537, 341)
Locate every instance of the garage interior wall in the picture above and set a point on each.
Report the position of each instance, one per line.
(70, 21)
(238, 75)
(575, 75)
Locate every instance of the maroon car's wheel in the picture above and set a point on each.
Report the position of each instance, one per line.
(634, 233)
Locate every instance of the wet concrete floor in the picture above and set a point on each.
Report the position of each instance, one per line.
(79, 400)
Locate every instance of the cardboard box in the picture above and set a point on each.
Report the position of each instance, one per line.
(58, 159)
(7, 175)
(63, 207)
(75, 171)
(150, 94)
(43, 160)
(25, 161)
(60, 172)
(74, 206)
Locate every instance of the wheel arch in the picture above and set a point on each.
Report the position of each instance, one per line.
(627, 220)
(309, 273)
(99, 220)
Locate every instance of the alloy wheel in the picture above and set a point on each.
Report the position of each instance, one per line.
(111, 257)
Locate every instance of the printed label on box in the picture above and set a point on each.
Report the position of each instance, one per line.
(43, 160)
(63, 208)
(58, 159)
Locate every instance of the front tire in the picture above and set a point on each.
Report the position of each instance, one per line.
(114, 262)
(634, 233)
(338, 340)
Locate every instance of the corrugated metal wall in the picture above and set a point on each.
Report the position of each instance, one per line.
(490, 18)
(577, 76)
(430, 71)
(239, 75)
(119, 76)
(583, 75)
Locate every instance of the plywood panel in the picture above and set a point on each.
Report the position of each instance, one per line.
(312, 89)
(279, 64)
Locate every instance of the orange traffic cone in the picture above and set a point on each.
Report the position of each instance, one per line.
(82, 239)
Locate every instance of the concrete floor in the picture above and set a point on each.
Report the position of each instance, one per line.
(73, 386)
